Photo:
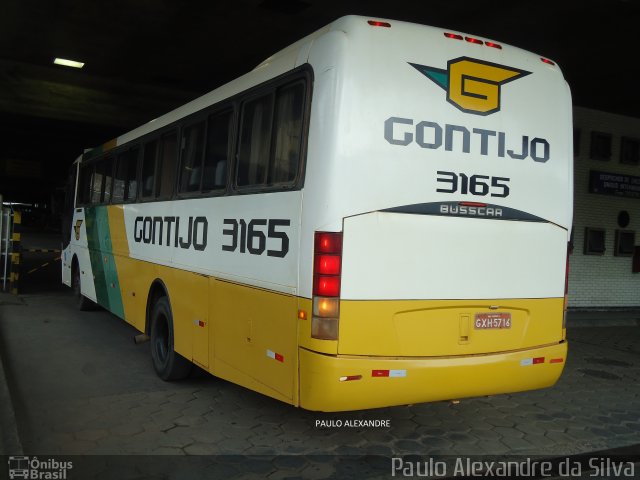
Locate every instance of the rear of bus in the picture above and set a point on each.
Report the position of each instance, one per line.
(438, 207)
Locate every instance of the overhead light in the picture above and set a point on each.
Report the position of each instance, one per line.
(68, 63)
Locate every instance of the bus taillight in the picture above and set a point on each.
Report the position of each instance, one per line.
(327, 261)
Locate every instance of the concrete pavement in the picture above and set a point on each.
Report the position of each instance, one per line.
(81, 387)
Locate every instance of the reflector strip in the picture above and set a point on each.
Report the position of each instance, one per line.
(556, 360)
(275, 356)
(531, 361)
(350, 377)
(388, 373)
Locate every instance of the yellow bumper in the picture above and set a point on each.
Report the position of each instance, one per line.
(399, 381)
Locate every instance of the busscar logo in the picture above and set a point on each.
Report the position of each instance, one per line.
(472, 85)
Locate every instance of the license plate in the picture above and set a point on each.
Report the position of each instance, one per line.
(484, 321)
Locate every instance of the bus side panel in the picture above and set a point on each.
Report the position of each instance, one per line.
(187, 293)
(105, 275)
(254, 337)
(78, 248)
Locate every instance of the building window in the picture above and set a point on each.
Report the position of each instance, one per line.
(625, 242)
(600, 146)
(629, 151)
(594, 241)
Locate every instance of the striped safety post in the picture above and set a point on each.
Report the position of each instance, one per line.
(14, 277)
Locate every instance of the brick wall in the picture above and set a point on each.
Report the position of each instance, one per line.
(602, 281)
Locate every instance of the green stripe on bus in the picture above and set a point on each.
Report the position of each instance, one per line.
(102, 262)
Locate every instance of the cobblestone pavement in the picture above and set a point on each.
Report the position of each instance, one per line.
(81, 387)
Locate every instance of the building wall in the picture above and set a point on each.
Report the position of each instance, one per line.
(602, 280)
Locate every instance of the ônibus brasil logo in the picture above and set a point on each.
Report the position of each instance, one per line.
(472, 85)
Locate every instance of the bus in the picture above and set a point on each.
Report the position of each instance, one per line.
(377, 215)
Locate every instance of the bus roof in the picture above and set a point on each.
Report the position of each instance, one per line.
(292, 56)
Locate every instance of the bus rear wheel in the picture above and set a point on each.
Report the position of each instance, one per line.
(168, 364)
(82, 302)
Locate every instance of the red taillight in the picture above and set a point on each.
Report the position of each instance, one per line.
(454, 36)
(327, 264)
(477, 41)
(326, 286)
(547, 61)
(377, 23)
(327, 261)
(328, 242)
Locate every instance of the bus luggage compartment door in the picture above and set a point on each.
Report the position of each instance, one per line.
(424, 285)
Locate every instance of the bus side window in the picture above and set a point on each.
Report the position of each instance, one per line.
(131, 186)
(97, 182)
(119, 178)
(84, 184)
(125, 181)
(167, 165)
(191, 158)
(215, 161)
(107, 163)
(287, 134)
(149, 169)
(255, 141)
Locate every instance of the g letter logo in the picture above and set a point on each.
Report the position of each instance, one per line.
(472, 86)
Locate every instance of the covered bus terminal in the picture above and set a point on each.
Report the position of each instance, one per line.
(79, 399)
(74, 386)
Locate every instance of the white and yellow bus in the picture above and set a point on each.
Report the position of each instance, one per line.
(376, 215)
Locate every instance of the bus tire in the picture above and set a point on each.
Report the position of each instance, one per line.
(83, 303)
(168, 364)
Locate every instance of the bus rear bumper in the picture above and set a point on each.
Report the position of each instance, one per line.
(330, 383)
